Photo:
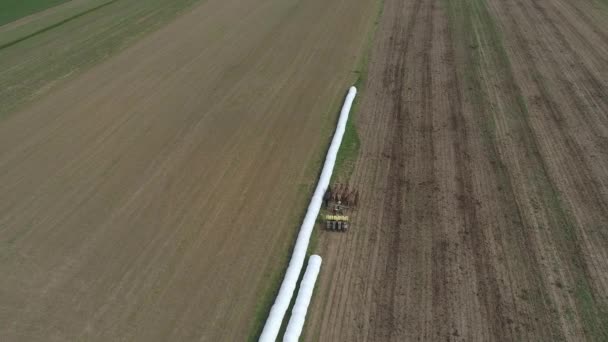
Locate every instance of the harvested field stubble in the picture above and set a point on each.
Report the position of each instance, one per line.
(153, 196)
(43, 52)
(11, 10)
(483, 178)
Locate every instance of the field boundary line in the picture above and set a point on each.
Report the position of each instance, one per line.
(57, 24)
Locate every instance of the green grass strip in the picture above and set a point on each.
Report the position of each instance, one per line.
(12, 10)
(57, 24)
(351, 143)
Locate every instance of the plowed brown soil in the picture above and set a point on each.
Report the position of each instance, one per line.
(483, 174)
(152, 197)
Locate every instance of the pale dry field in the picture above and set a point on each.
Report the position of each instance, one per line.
(155, 195)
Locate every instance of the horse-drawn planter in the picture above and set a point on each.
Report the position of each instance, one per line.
(339, 200)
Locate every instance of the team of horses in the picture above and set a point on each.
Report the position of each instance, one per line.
(341, 194)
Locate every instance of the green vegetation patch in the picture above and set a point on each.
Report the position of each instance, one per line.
(40, 25)
(349, 150)
(75, 43)
(11, 10)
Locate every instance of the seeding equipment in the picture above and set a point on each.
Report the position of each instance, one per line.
(339, 200)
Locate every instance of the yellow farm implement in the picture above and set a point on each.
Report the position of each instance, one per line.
(338, 200)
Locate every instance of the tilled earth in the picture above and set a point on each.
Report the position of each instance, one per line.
(483, 174)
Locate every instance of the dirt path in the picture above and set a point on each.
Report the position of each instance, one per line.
(483, 176)
(152, 197)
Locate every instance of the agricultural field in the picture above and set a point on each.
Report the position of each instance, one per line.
(41, 51)
(156, 158)
(11, 10)
(483, 174)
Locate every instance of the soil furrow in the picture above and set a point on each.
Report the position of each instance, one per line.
(458, 121)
